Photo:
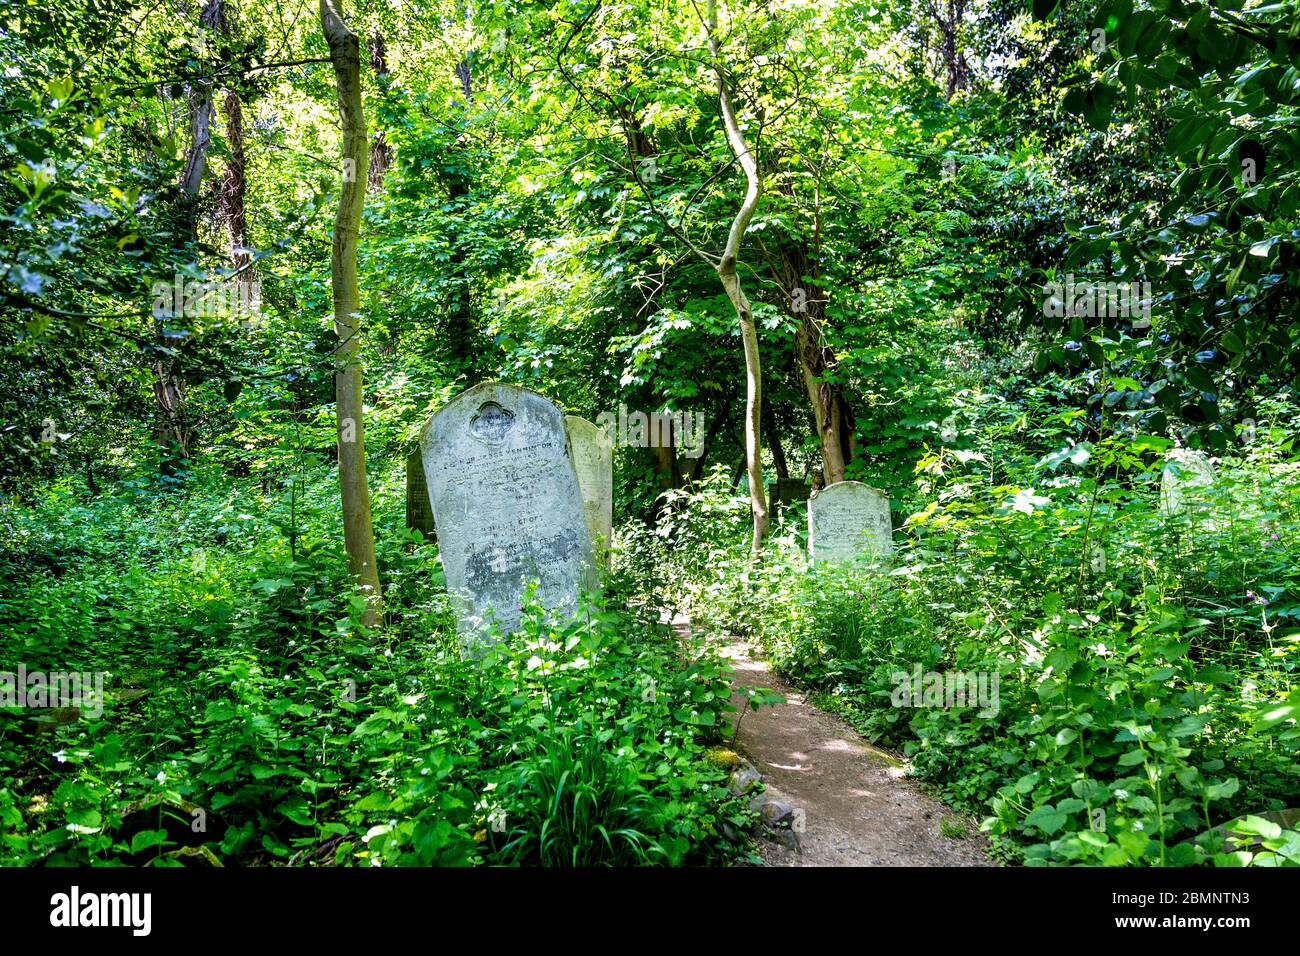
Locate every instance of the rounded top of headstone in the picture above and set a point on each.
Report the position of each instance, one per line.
(1190, 462)
(848, 488)
(588, 429)
(1183, 453)
(492, 420)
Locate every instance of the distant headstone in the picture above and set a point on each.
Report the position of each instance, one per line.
(1187, 476)
(418, 513)
(506, 504)
(849, 519)
(592, 449)
(790, 490)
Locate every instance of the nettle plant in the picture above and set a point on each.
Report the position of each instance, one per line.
(1133, 745)
(1138, 705)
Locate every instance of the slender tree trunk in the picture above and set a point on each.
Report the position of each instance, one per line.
(234, 188)
(826, 404)
(173, 432)
(359, 538)
(200, 102)
(231, 210)
(730, 279)
(200, 108)
(753, 400)
(662, 462)
(949, 21)
(462, 329)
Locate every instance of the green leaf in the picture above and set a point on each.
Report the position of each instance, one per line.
(1255, 827)
(1098, 105)
(1134, 843)
(296, 809)
(1222, 789)
(147, 838)
(1273, 714)
(1047, 819)
(86, 817)
(1026, 783)
(1214, 673)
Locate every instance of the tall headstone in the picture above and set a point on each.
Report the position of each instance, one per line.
(592, 449)
(1187, 477)
(418, 513)
(506, 504)
(849, 519)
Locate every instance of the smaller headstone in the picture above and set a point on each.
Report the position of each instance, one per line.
(849, 520)
(1187, 478)
(418, 513)
(592, 449)
(790, 490)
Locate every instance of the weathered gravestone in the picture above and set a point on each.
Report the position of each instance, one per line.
(1186, 480)
(506, 504)
(418, 513)
(592, 449)
(790, 490)
(848, 519)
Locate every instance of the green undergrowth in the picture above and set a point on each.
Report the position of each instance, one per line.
(1142, 665)
(251, 719)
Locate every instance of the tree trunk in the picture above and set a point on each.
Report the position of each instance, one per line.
(827, 406)
(730, 279)
(200, 102)
(231, 208)
(695, 468)
(358, 535)
(381, 154)
(949, 23)
(200, 107)
(778, 453)
(463, 332)
(234, 185)
(173, 431)
(663, 462)
(796, 273)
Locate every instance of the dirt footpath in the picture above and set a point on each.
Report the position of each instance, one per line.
(858, 807)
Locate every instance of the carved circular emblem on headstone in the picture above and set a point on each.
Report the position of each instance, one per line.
(491, 423)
